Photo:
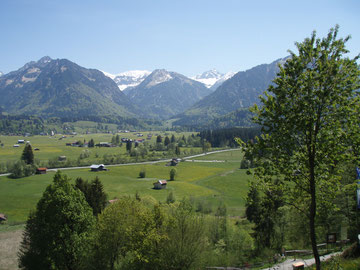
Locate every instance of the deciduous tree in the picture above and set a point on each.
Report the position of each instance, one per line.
(310, 120)
(57, 233)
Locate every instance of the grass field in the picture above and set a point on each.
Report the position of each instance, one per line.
(231, 156)
(210, 182)
(55, 146)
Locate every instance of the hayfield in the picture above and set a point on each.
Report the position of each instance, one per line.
(210, 182)
(51, 147)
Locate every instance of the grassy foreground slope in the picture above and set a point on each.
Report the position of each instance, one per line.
(207, 182)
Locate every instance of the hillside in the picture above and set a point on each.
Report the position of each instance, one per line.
(163, 94)
(61, 88)
(240, 91)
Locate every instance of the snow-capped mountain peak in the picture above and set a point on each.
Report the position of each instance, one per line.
(127, 79)
(1, 73)
(159, 76)
(211, 74)
(212, 77)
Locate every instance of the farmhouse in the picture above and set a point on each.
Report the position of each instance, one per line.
(96, 168)
(160, 184)
(104, 144)
(173, 162)
(62, 158)
(41, 170)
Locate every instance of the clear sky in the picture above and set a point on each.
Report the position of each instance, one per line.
(185, 36)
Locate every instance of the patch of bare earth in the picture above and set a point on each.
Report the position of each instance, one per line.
(9, 247)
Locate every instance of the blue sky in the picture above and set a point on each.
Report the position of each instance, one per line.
(179, 35)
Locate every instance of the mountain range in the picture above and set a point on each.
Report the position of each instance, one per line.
(240, 91)
(128, 79)
(59, 87)
(164, 94)
(212, 78)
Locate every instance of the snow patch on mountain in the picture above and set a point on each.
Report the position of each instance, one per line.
(127, 79)
(212, 77)
(225, 77)
(159, 76)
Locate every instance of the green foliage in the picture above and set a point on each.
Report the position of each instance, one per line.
(21, 169)
(206, 146)
(170, 198)
(56, 233)
(91, 143)
(94, 193)
(172, 174)
(126, 236)
(142, 173)
(177, 150)
(311, 125)
(28, 155)
(186, 242)
(128, 146)
(166, 141)
(173, 139)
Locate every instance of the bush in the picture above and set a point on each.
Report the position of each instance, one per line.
(352, 252)
(172, 174)
(142, 173)
(21, 169)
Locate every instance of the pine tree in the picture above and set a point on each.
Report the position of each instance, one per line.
(166, 141)
(28, 155)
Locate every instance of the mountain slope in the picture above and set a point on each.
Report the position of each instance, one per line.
(163, 94)
(240, 91)
(61, 88)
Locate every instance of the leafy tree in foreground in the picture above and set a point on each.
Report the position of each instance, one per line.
(28, 155)
(57, 233)
(126, 236)
(310, 124)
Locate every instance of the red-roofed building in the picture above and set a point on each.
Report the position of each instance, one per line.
(41, 170)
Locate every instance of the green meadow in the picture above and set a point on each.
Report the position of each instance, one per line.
(54, 146)
(204, 182)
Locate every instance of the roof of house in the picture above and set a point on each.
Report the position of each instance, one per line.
(95, 166)
(2, 216)
(161, 182)
(41, 169)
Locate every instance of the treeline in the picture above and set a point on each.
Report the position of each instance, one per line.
(122, 122)
(239, 118)
(20, 124)
(225, 137)
(279, 223)
(67, 232)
